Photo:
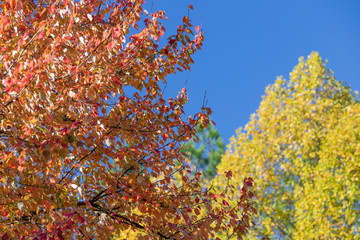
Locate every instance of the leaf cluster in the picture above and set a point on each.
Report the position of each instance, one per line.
(88, 143)
(302, 149)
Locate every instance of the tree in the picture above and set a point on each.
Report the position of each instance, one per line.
(206, 149)
(88, 144)
(302, 149)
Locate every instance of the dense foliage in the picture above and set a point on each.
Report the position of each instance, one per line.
(302, 148)
(88, 144)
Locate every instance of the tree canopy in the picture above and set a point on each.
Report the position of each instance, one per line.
(205, 150)
(302, 149)
(88, 144)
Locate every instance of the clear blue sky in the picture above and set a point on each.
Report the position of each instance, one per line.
(249, 43)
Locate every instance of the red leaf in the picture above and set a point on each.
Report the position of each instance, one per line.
(42, 236)
(81, 219)
(249, 183)
(7, 89)
(74, 124)
(41, 35)
(64, 130)
(197, 28)
(225, 203)
(5, 236)
(191, 7)
(197, 211)
(6, 21)
(254, 210)
(111, 45)
(229, 174)
(117, 32)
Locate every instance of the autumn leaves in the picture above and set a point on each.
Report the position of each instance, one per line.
(111, 169)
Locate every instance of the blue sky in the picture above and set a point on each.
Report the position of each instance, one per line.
(249, 43)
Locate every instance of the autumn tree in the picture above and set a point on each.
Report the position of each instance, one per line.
(88, 144)
(302, 149)
(205, 150)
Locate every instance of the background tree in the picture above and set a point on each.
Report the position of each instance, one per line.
(205, 150)
(302, 149)
(88, 144)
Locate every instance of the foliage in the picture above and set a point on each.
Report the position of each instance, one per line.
(302, 149)
(206, 149)
(88, 144)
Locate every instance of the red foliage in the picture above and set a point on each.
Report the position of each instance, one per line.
(88, 144)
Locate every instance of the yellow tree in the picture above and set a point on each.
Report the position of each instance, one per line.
(88, 144)
(302, 149)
